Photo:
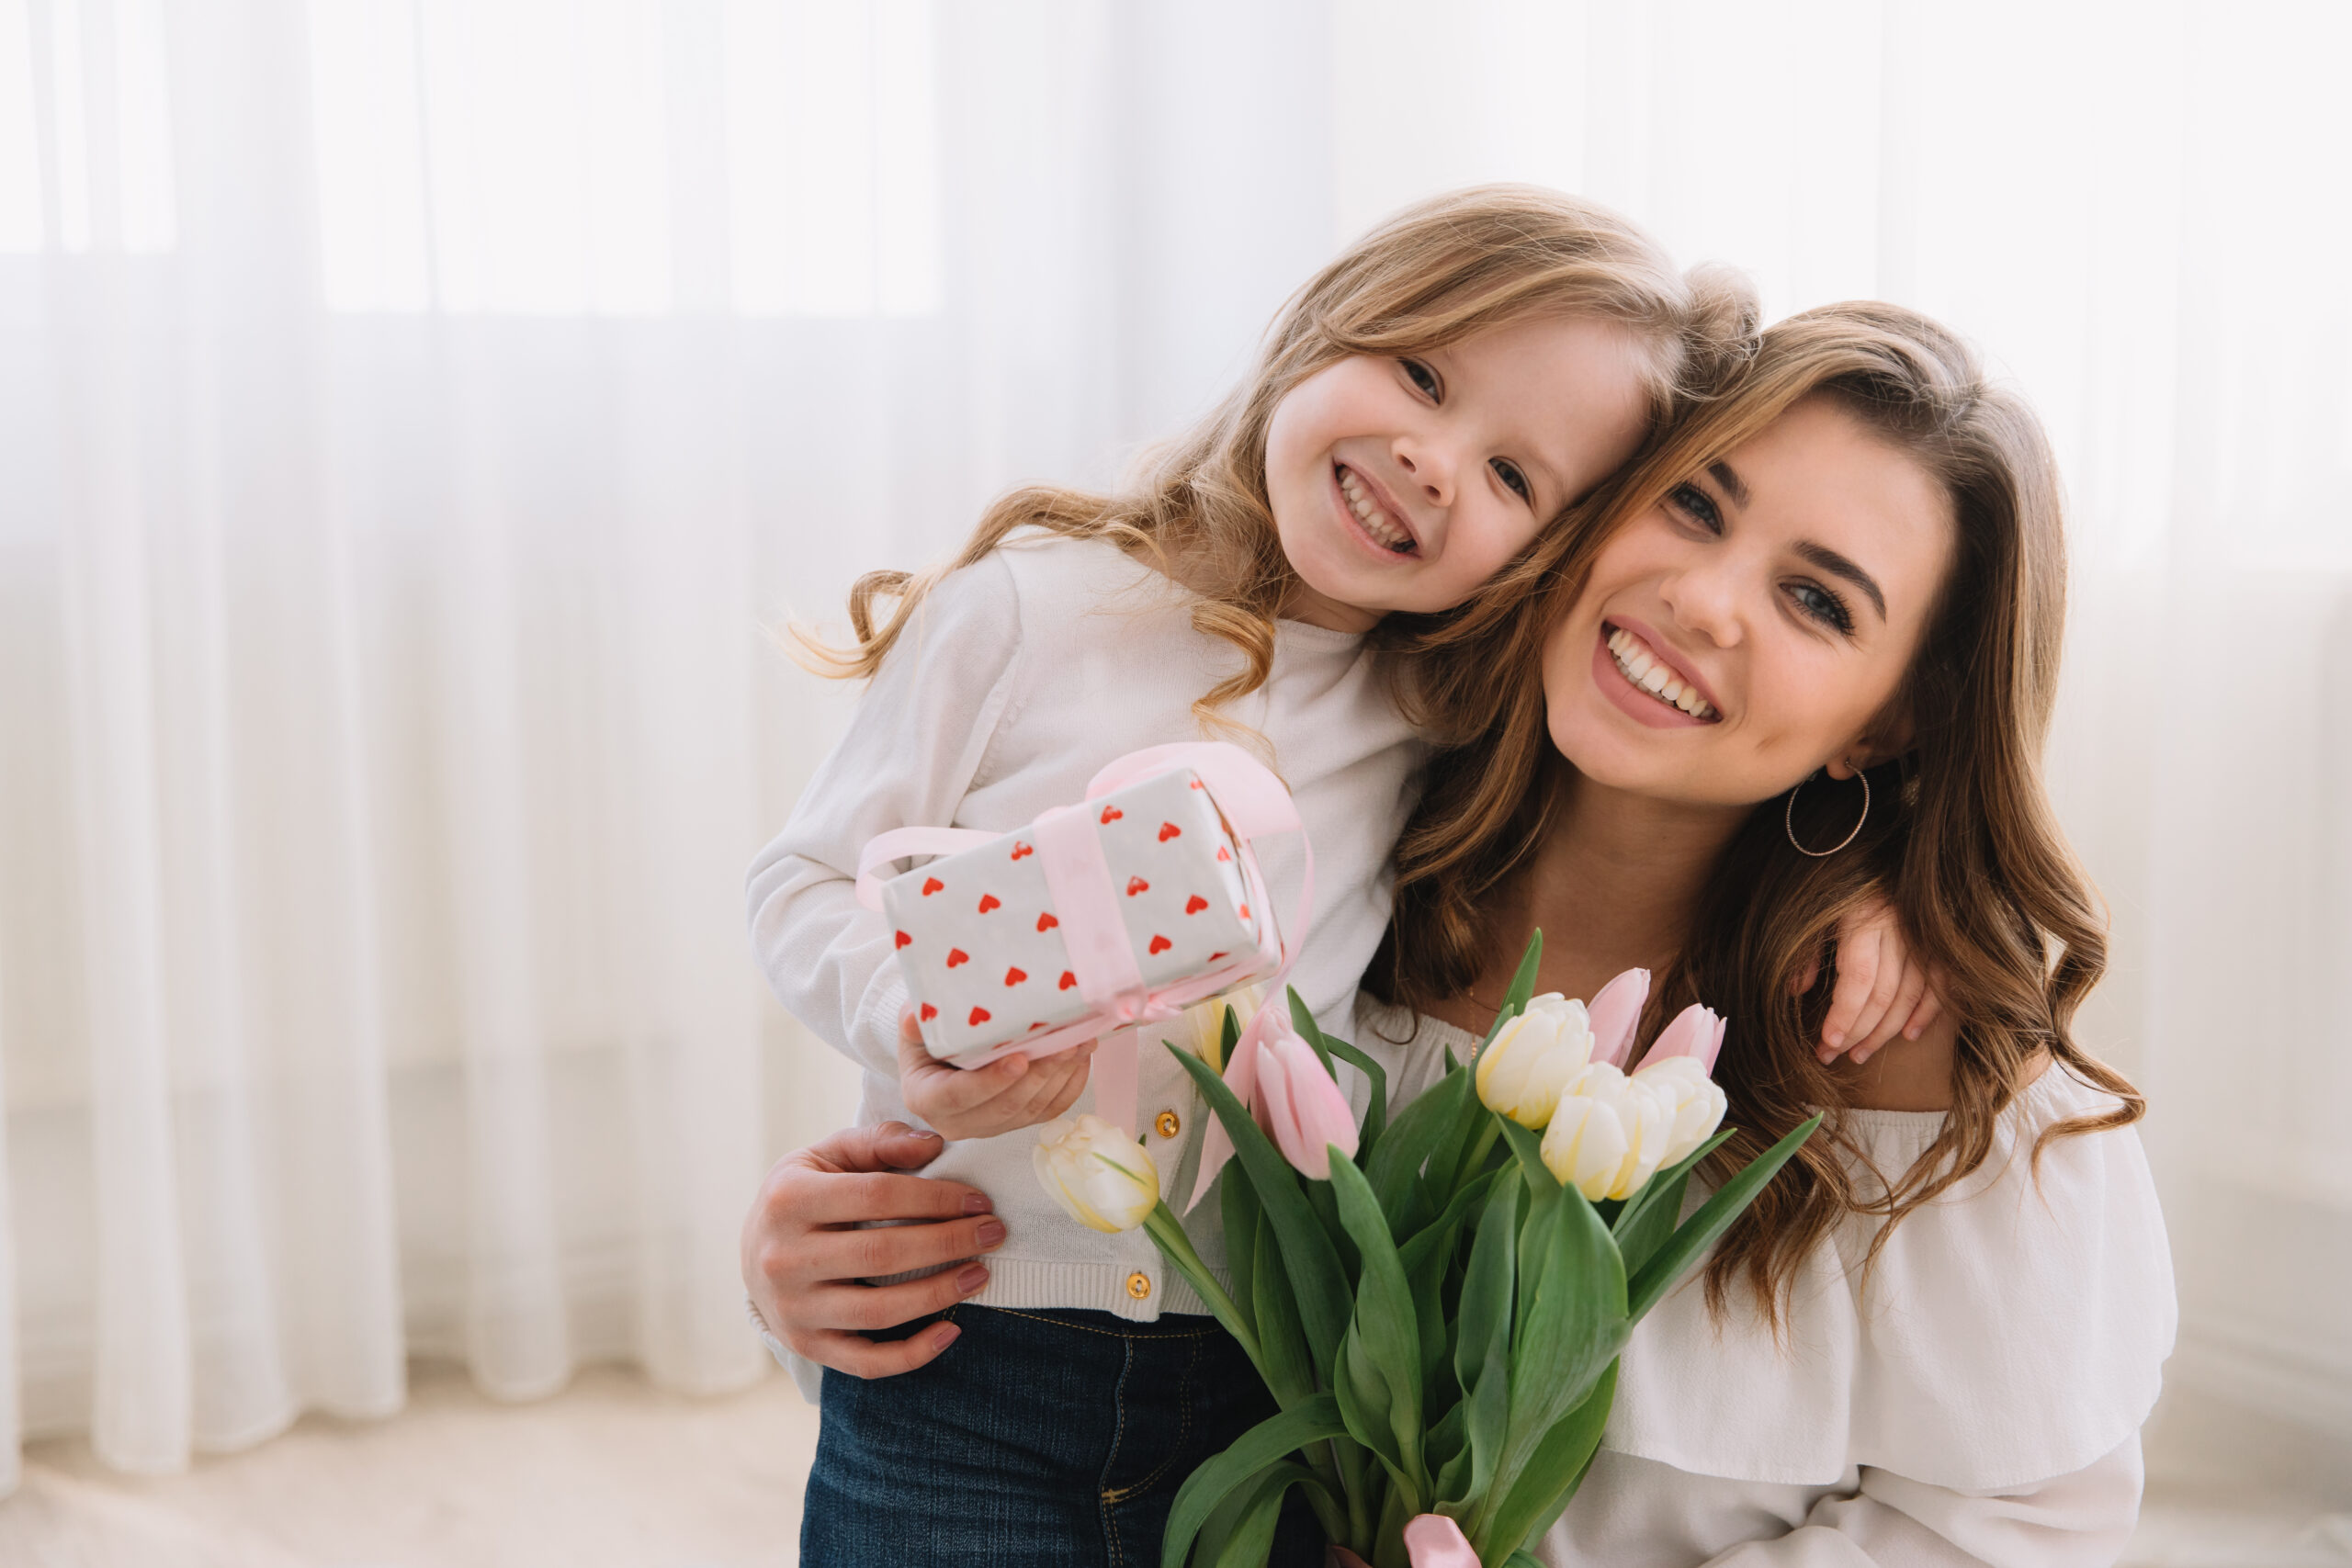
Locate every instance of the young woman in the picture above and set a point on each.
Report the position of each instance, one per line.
(1935, 1339)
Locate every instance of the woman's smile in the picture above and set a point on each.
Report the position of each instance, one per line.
(1636, 673)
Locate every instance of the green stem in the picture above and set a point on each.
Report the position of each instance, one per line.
(1478, 1153)
(1354, 1466)
(1166, 1231)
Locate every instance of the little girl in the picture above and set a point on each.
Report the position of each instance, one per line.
(1465, 377)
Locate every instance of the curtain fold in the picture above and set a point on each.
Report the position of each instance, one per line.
(416, 419)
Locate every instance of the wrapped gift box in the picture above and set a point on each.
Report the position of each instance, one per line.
(985, 951)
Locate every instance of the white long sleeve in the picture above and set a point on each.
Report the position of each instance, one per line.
(1019, 678)
(912, 750)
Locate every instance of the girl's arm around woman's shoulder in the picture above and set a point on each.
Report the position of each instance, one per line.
(910, 755)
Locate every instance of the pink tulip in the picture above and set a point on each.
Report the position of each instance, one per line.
(1614, 1012)
(1432, 1540)
(1300, 1107)
(1695, 1033)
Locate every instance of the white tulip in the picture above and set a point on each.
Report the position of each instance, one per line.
(1524, 1068)
(1101, 1177)
(1681, 1082)
(1607, 1135)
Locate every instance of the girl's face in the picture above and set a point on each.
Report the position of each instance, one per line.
(1757, 624)
(1406, 483)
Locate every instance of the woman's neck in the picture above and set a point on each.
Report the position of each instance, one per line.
(1612, 885)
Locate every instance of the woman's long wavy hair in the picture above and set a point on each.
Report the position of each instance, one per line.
(1434, 274)
(1960, 835)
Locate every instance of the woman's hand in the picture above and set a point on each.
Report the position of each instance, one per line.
(1883, 991)
(803, 1257)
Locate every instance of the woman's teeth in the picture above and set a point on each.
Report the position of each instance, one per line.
(1368, 513)
(1654, 675)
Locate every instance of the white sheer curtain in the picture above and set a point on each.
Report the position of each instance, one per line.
(413, 412)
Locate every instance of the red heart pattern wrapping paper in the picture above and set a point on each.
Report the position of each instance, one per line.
(984, 949)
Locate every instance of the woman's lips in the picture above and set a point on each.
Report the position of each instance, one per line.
(1636, 701)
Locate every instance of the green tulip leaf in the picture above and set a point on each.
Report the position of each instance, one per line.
(1644, 1221)
(1376, 1116)
(1238, 1205)
(1522, 984)
(1241, 1533)
(1384, 1330)
(1320, 1286)
(1541, 1493)
(1681, 1250)
(1282, 1343)
(1405, 1147)
(1528, 1145)
(1571, 1321)
(1304, 1022)
(1268, 1442)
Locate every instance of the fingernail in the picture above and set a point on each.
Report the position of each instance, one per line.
(1835, 1038)
(944, 1336)
(1827, 1056)
(1913, 1032)
(971, 1279)
(978, 1203)
(1863, 1054)
(991, 1232)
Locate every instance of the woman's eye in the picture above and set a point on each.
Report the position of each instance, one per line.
(1508, 473)
(1697, 505)
(1422, 377)
(1821, 606)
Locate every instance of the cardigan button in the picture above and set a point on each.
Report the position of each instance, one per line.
(1168, 1125)
(1139, 1284)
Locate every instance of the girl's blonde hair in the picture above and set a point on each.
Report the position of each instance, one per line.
(1961, 834)
(1432, 274)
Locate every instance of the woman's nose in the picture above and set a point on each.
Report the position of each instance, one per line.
(1705, 600)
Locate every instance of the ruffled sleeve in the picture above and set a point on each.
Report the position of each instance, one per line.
(2012, 1331)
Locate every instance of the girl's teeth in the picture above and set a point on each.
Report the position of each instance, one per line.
(1654, 676)
(1368, 513)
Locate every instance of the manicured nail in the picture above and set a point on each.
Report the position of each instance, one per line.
(944, 1336)
(978, 1203)
(972, 1278)
(991, 1232)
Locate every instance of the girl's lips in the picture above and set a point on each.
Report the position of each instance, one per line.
(1353, 525)
(1636, 702)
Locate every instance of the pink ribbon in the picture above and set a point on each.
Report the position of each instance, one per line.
(1070, 851)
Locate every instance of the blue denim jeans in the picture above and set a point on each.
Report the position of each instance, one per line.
(1049, 1438)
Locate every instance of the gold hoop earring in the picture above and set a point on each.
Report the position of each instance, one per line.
(1789, 819)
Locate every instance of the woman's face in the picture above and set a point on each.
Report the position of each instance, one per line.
(1756, 624)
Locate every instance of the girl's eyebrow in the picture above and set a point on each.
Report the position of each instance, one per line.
(1831, 562)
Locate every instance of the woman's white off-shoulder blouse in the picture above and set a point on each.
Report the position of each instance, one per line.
(1974, 1397)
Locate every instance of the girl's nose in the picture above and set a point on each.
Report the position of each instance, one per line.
(1429, 468)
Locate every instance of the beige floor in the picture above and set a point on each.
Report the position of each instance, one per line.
(612, 1474)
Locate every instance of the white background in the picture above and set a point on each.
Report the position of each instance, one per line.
(416, 414)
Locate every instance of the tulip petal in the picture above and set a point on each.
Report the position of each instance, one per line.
(1432, 1540)
(1692, 1033)
(1615, 1012)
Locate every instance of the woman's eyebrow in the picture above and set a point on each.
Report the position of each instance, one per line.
(1720, 472)
(1831, 562)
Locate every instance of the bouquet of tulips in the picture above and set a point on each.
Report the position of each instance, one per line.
(1437, 1303)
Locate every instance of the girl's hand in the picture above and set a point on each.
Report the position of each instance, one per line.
(1002, 1096)
(1882, 990)
(804, 1257)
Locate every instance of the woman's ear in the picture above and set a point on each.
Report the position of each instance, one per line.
(1889, 735)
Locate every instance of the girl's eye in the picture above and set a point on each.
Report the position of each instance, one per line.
(1821, 606)
(1697, 505)
(1507, 471)
(1422, 377)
